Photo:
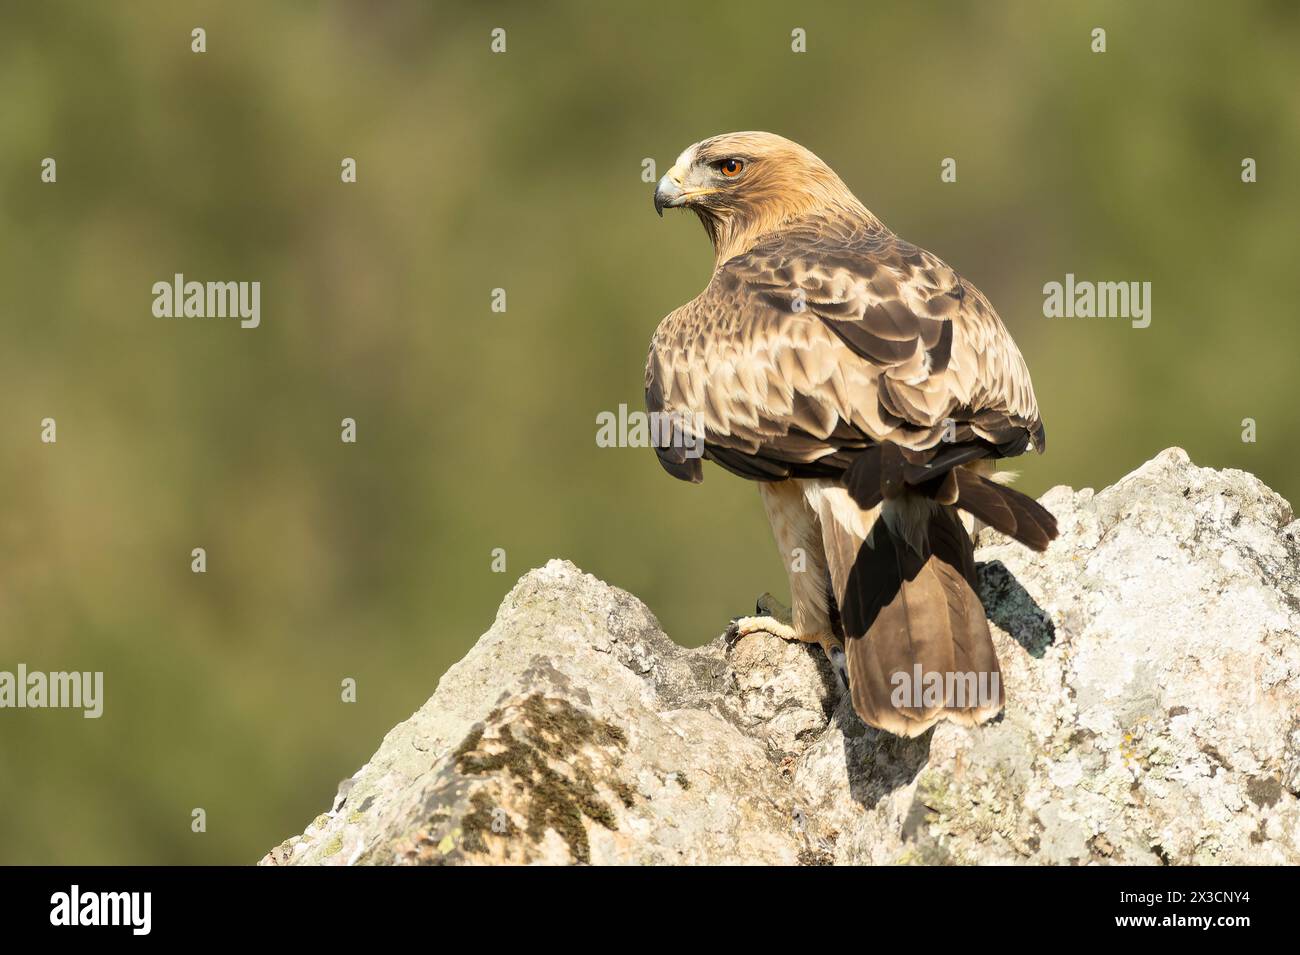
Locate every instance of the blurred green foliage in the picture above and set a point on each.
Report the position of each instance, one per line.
(477, 430)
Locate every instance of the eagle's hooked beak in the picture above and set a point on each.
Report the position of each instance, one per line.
(669, 194)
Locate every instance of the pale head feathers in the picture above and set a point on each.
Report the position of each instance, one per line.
(779, 183)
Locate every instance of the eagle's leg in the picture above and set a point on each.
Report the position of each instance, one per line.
(770, 616)
(798, 537)
(744, 626)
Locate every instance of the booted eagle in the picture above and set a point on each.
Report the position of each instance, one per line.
(869, 389)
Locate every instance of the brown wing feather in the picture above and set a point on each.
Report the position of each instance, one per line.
(1005, 509)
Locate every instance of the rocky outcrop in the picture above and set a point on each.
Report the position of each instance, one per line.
(1151, 660)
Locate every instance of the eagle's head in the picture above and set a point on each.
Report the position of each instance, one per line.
(743, 185)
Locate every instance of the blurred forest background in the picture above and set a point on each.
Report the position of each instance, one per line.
(477, 430)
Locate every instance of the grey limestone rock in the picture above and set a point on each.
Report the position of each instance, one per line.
(1151, 659)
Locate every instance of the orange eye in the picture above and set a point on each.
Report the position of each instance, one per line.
(731, 167)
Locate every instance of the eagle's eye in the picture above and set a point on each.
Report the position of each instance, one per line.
(730, 167)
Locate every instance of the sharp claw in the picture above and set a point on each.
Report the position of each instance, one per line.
(732, 633)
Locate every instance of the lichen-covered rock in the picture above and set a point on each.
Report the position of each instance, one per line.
(1152, 667)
